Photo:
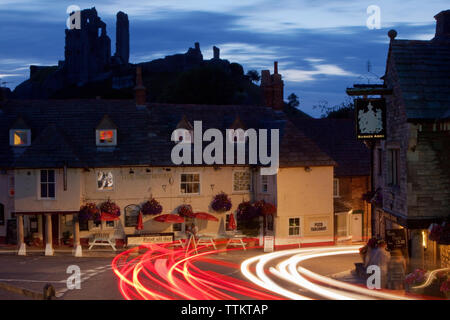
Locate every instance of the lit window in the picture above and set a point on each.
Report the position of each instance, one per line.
(106, 137)
(190, 183)
(47, 183)
(241, 181)
(105, 180)
(294, 226)
(20, 137)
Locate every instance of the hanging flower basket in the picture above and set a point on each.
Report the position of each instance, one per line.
(221, 202)
(151, 207)
(89, 211)
(185, 210)
(110, 208)
(265, 208)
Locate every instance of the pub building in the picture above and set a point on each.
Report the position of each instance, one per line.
(60, 155)
(411, 163)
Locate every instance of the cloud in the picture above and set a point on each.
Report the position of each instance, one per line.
(297, 75)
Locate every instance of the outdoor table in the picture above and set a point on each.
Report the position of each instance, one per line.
(102, 239)
(207, 240)
(236, 240)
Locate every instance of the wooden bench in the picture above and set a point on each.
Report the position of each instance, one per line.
(236, 240)
(206, 240)
(102, 239)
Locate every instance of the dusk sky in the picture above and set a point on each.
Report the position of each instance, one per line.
(322, 46)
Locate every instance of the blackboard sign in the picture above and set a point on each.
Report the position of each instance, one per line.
(370, 119)
(396, 239)
(11, 231)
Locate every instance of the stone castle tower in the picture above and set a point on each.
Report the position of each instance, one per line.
(122, 37)
(88, 48)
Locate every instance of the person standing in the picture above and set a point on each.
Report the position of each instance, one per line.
(381, 258)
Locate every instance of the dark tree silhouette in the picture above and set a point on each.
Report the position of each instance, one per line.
(253, 75)
(293, 100)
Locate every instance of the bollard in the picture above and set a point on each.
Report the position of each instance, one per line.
(49, 292)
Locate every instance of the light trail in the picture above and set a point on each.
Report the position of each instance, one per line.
(288, 270)
(165, 273)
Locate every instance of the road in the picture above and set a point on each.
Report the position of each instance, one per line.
(204, 276)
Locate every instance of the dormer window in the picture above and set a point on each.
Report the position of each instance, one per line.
(20, 134)
(184, 131)
(20, 137)
(106, 133)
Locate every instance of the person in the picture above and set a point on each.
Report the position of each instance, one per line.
(396, 270)
(381, 258)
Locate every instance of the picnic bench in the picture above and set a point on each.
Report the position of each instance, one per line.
(207, 240)
(236, 240)
(102, 239)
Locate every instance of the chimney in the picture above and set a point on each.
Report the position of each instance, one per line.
(216, 52)
(139, 90)
(442, 25)
(273, 87)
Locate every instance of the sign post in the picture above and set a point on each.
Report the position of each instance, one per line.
(269, 242)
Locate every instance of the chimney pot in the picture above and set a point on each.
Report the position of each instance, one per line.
(275, 67)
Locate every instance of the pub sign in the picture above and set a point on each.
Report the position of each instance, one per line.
(370, 119)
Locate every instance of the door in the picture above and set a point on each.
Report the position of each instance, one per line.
(357, 226)
(55, 228)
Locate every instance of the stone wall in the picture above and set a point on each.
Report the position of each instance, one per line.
(445, 256)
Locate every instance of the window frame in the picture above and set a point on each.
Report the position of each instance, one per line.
(264, 183)
(336, 182)
(11, 137)
(107, 144)
(393, 176)
(290, 227)
(39, 184)
(199, 184)
(233, 180)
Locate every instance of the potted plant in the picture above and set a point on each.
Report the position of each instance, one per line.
(221, 202)
(185, 210)
(110, 208)
(414, 278)
(248, 220)
(89, 211)
(151, 207)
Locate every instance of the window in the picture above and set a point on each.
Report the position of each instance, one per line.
(20, 137)
(105, 180)
(177, 227)
(47, 183)
(110, 224)
(341, 224)
(106, 137)
(393, 155)
(84, 225)
(336, 188)
(241, 181)
(294, 226)
(131, 215)
(190, 183)
(264, 183)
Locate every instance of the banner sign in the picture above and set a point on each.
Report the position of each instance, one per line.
(370, 119)
(136, 240)
(268, 243)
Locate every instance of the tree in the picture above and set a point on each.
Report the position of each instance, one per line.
(253, 75)
(344, 110)
(293, 100)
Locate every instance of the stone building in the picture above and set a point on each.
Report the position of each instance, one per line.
(412, 166)
(337, 138)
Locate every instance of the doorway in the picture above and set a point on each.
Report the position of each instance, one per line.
(55, 228)
(357, 223)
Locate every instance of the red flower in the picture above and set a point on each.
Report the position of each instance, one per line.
(151, 207)
(185, 210)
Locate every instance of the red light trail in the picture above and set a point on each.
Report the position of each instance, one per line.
(164, 273)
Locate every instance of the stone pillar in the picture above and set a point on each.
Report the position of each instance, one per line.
(417, 254)
(49, 237)
(20, 236)
(77, 252)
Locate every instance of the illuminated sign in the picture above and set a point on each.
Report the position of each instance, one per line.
(370, 119)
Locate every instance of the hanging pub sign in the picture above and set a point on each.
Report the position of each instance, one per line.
(370, 118)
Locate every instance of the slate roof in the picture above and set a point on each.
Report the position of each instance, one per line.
(337, 138)
(423, 69)
(63, 132)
